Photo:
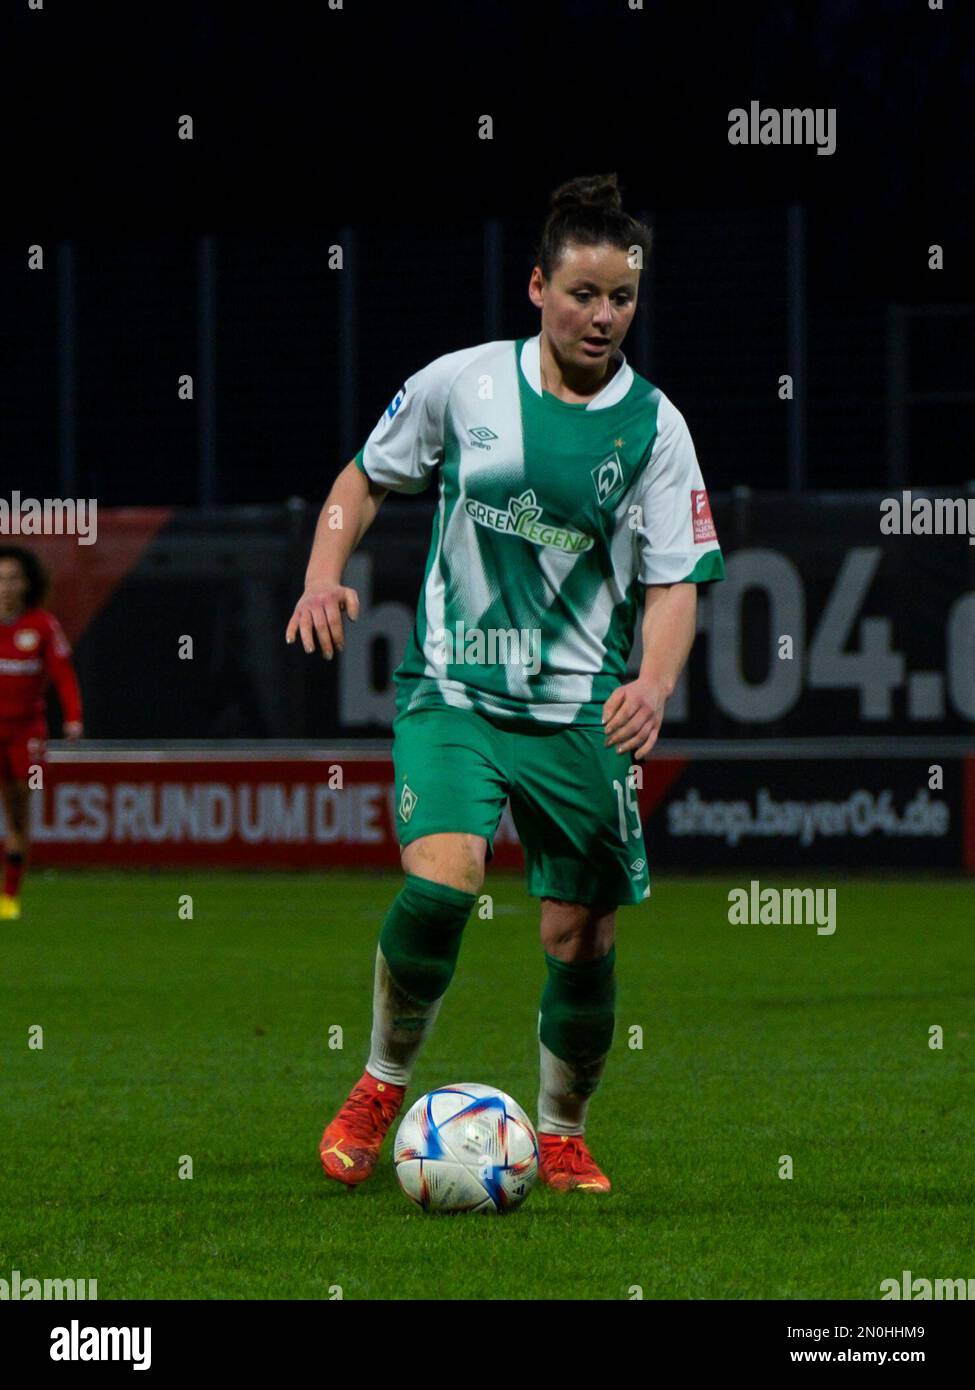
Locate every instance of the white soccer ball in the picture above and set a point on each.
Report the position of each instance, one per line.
(466, 1148)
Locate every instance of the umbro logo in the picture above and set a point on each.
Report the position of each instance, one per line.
(481, 436)
(638, 866)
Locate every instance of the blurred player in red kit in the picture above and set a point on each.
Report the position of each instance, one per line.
(33, 649)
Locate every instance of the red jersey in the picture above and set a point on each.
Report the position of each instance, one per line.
(33, 649)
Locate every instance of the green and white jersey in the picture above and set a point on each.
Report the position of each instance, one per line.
(550, 518)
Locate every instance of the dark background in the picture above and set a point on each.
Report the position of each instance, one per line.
(314, 126)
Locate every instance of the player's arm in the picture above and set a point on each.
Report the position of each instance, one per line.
(678, 549)
(400, 455)
(350, 509)
(635, 712)
(60, 669)
(669, 625)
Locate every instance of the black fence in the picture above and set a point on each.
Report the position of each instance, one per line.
(232, 369)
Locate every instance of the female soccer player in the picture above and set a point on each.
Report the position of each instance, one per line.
(568, 492)
(32, 649)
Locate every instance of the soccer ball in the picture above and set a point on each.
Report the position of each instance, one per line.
(466, 1148)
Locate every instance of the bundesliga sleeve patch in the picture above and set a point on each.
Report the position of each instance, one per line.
(703, 520)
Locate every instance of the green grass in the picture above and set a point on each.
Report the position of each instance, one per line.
(209, 1038)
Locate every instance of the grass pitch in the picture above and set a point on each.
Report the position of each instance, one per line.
(165, 1038)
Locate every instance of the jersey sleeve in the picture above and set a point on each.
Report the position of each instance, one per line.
(407, 443)
(676, 536)
(60, 668)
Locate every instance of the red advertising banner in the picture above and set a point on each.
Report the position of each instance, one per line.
(248, 812)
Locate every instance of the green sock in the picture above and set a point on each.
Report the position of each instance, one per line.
(575, 1032)
(418, 948)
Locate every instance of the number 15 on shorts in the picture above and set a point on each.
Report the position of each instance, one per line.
(626, 800)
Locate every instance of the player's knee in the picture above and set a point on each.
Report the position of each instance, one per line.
(453, 859)
(577, 931)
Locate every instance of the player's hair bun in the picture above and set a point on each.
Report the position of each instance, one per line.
(597, 191)
(589, 212)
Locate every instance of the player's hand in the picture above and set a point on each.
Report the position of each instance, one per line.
(73, 730)
(319, 610)
(632, 717)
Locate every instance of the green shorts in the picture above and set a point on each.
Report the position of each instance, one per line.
(576, 816)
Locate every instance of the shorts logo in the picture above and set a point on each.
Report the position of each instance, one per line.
(480, 434)
(607, 477)
(26, 639)
(407, 803)
(638, 866)
(702, 518)
(396, 402)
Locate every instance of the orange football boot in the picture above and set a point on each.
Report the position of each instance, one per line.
(351, 1143)
(565, 1163)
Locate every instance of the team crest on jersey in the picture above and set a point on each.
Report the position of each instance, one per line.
(407, 802)
(523, 519)
(26, 639)
(481, 436)
(607, 477)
